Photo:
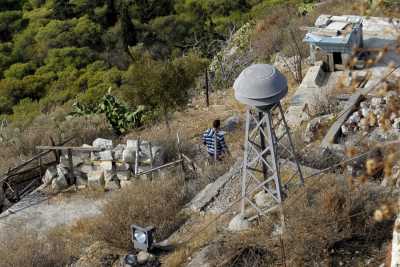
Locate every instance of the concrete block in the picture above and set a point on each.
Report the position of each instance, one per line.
(106, 155)
(118, 150)
(129, 155)
(103, 143)
(96, 178)
(86, 168)
(132, 144)
(106, 165)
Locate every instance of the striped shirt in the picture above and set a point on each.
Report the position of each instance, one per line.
(210, 138)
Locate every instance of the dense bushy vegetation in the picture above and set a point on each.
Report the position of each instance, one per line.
(54, 52)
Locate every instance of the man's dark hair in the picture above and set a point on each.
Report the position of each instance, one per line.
(216, 124)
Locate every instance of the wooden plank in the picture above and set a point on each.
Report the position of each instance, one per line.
(24, 172)
(44, 153)
(333, 132)
(161, 167)
(81, 149)
(56, 153)
(71, 176)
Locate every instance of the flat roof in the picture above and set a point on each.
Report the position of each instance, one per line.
(336, 30)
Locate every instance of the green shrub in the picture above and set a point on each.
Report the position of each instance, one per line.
(19, 70)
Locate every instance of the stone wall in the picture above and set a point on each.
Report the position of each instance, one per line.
(111, 169)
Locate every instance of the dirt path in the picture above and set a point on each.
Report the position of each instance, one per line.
(39, 213)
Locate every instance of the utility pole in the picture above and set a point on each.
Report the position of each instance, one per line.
(207, 89)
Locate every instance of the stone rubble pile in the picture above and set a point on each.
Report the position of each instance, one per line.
(374, 113)
(110, 169)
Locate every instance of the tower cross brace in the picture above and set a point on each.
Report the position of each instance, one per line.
(264, 153)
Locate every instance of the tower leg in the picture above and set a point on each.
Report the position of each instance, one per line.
(245, 159)
(261, 166)
(274, 160)
(292, 148)
(263, 146)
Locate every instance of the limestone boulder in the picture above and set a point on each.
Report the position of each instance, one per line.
(110, 175)
(125, 183)
(144, 257)
(238, 224)
(49, 175)
(396, 124)
(263, 199)
(122, 166)
(62, 172)
(112, 185)
(123, 175)
(231, 123)
(59, 183)
(80, 179)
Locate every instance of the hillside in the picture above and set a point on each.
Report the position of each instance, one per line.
(56, 52)
(104, 104)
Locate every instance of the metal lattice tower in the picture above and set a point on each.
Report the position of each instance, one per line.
(261, 87)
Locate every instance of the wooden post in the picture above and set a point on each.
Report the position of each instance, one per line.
(137, 156)
(178, 139)
(71, 168)
(215, 147)
(56, 152)
(151, 159)
(40, 167)
(207, 89)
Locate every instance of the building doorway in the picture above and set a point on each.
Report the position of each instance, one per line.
(337, 58)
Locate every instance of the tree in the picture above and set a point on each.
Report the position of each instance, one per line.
(148, 10)
(128, 30)
(162, 86)
(10, 22)
(62, 9)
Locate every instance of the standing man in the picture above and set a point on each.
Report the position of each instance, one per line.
(214, 139)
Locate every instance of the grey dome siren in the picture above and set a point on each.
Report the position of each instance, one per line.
(260, 85)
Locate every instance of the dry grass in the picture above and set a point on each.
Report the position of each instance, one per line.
(325, 223)
(156, 203)
(191, 242)
(25, 249)
(19, 144)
